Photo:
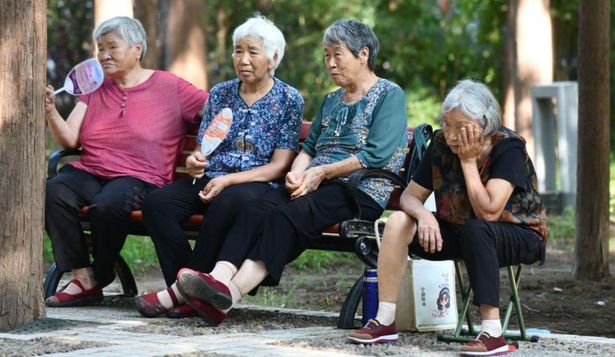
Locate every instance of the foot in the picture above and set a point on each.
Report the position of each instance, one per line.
(210, 315)
(78, 296)
(149, 305)
(485, 345)
(194, 284)
(374, 332)
(181, 311)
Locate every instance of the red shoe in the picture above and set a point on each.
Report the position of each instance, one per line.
(210, 315)
(485, 345)
(181, 311)
(148, 305)
(194, 284)
(374, 332)
(85, 297)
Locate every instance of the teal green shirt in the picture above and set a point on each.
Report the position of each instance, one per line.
(373, 129)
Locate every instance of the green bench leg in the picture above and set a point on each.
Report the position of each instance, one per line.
(514, 303)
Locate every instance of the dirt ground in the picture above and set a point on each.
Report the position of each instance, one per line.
(550, 297)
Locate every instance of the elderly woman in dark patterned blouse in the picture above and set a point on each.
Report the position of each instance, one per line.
(489, 213)
(253, 157)
(362, 124)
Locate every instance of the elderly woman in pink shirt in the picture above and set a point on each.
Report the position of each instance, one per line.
(130, 131)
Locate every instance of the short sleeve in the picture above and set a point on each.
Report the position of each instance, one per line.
(387, 131)
(510, 166)
(85, 99)
(423, 174)
(191, 100)
(289, 131)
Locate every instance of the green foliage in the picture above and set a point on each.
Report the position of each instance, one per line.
(314, 260)
(562, 227)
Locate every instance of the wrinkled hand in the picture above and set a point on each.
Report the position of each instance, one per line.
(293, 181)
(50, 100)
(213, 188)
(312, 178)
(196, 163)
(429, 235)
(470, 142)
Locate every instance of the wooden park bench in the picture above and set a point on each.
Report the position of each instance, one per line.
(354, 235)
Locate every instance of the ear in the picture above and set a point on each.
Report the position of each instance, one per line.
(364, 55)
(139, 49)
(275, 60)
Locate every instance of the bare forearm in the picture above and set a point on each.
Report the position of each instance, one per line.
(341, 168)
(62, 133)
(483, 204)
(265, 173)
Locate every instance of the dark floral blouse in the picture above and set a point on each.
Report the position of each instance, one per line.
(440, 171)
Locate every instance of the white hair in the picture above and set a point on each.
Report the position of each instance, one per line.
(476, 102)
(273, 39)
(126, 28)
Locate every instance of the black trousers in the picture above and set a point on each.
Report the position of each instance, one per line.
(485, 247)
(276, 229)
(166, 209)
(110, 201)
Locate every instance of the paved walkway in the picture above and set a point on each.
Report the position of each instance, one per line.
(113, 331)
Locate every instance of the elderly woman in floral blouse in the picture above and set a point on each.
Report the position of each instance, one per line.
(256, 154)
(489, 214)
(362, 124)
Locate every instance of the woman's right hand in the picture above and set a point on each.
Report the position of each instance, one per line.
(429, 235)
(50, 100)
(293, 181)
(196, 163)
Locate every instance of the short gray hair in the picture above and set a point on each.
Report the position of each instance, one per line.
(126, 28)
(476, 102)
(273, 39)
(354, 35)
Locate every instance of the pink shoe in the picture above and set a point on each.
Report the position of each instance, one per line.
(210, 315)
(194, 284)
(148, 305)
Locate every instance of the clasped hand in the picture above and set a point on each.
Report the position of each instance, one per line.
(213, 188)
(299, 184)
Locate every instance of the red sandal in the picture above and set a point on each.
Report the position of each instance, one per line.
(148, 305)
(85, 297)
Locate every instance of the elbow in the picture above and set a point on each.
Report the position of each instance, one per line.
(489, 216)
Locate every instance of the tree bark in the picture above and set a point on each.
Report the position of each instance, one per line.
(592, 205)
(106, 9)
(186, 42)
(508, 112)
(23, 41)
(534, 61)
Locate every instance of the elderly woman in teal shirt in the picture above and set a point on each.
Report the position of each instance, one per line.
(360, 125)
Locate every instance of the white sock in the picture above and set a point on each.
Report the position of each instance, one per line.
(492, 327)
(223, 272)
(236, 294)
(165, 298)
(386, 313)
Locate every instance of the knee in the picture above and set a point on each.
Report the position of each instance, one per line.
(474, 232)
(56, 193)
(154, 202)
(400, 229)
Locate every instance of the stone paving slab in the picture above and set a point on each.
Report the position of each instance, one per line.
(109, 331)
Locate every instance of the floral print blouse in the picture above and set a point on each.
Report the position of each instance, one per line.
(440, 171)
(272, 122)
(373, 129)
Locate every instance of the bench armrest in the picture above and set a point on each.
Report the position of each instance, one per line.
(56, 156)
(352, 185)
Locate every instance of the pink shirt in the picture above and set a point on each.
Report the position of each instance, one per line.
(138, 131)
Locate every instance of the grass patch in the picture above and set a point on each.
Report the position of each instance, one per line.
(314, 260)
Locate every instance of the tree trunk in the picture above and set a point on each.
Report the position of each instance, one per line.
(534, 61)
(186, 42)
(106, 9)
(592, 209)
(154, 15)
(508, 112)
(23, 40)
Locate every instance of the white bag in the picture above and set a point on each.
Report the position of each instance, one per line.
(427, 299)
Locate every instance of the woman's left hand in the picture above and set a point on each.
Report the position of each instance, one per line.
(312, 178)
(213, 188)
(470, 142)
